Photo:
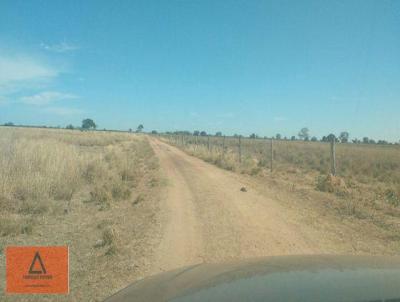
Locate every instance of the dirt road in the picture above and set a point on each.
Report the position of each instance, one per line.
(207, 218)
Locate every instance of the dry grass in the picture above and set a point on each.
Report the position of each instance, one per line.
(368, 182)
(366, 164)
(40, 167)
(78, 188)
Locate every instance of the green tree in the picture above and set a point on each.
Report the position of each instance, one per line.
(304, 133)
(140, 128)
(344, 137)
(329, 138)
(70, 127)
(332, 137)
(88, 124)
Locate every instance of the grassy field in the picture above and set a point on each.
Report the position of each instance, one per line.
(368, 182)
(99, 193)
(364, 163)
(93, 191)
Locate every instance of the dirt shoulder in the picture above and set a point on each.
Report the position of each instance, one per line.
(209, 219)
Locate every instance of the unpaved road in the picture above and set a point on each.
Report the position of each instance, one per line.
(207, 218)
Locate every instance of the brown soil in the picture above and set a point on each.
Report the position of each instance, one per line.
(207, 218)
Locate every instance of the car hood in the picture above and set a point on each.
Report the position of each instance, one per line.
(283, 278)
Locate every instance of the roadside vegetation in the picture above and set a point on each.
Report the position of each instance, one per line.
(93, 191)
(366, 164)
(366, 186)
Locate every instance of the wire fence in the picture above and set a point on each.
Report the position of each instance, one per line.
(361, 162)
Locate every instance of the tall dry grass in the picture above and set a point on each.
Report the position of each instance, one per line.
(92, 191)
(42, 169)
(365, 163)
(33, 169)
(375, 167)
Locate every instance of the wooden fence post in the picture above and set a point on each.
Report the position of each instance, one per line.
(223, 146)
(272, 154)
(333, 156)
(240, 148)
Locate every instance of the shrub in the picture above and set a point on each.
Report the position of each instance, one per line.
(392, 197)
(100, 194)
(15, 226)
(331, 184)
(108, 236)
(120, 192)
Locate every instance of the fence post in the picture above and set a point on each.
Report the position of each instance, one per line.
(223, 146)
(333, 156)
(208, 143)
(272, 154)
(240, 148)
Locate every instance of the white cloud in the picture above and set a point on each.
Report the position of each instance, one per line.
(60, 47)
(18, 69)
(63, 111)
(21, 72)
(46, 98)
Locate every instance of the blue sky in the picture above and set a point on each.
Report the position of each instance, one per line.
(233, 66)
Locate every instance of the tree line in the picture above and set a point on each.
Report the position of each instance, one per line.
(303, 134)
